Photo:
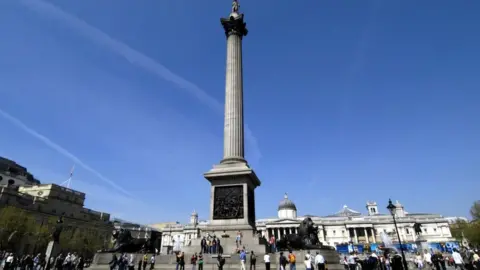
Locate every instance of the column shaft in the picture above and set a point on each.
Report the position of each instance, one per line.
(233, 150)
(366, 235)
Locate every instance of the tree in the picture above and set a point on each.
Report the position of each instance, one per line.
(475, 211)
(15, 223)
(469, 230)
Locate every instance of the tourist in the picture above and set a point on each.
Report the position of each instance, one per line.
(9, 261)
(181, 261)
(200, 262)
(220, 261)
(467, 256)
(217, 246)
(457, 258)
(59, 262)
(273, 249)
(81, 264)
(308, 261)
(436, 257)
(113, 262)
(238, 239)
(253, 261)
(145, 261)
(476, 260)
(320, 261)
(418, 261)
(266, 260)
(131, 262)
(152, 261)
(193, 261)
(352, 263)
(214, 245)
(282, 261)
(243, 259)
(292, 260)
(203, 245)
(140, 264)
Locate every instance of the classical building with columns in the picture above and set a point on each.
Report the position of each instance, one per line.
(345, 226)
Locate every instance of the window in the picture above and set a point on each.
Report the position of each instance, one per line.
(11, 182)
(343, 232)
(407, 231)
(425, 230)
(54, 211)
(373, 210)
(1, 178)
(334, 232)
(434, 229)
(384, 230)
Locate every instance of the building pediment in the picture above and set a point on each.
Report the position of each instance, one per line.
(284, 221)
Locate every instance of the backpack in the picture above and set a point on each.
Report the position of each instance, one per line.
(291, 258)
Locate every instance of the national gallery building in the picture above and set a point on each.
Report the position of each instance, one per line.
(345, 226)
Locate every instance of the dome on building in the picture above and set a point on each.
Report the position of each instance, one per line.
(286, 204)
(287, 209)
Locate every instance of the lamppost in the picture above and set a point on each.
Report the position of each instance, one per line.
(392, 208)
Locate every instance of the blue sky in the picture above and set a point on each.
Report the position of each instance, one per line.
(345, 101)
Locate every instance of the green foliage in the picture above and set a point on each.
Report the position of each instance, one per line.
(470, 230)
(24, 224)
(475, 211)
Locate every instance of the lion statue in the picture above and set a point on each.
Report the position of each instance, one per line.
(306, 238)
(125, 243)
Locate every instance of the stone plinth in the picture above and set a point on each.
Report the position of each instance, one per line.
(164, 262)
(422, 244)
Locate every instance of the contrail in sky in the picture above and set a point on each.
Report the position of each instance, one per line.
(133, 56)
(60, 150)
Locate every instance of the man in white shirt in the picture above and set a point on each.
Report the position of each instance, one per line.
(266, 259)
(352, 263)
(320, 261)
(308, 261)
(458, 259)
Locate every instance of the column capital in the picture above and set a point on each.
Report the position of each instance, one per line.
(234, 25)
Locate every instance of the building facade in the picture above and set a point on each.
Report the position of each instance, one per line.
(345, 226)
(12, 173)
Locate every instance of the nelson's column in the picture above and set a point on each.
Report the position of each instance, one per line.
(232, 201)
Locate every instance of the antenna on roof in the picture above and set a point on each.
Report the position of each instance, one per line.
(69, 180)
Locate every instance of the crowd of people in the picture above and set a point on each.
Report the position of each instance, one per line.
(70, 261)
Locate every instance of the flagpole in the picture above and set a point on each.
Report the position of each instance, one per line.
(69, 180)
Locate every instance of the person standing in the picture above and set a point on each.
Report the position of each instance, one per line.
(457, 258)
(243, 259)
(253, 261)
(320, 261)
(266, 260)
(308, 261)
(152, 262)
(282, 261)
(200, 262)
(220, 261)
(292, 260)
(193, 261)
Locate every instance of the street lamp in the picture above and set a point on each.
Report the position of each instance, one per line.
(392, 208)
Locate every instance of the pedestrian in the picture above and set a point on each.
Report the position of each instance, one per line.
(253, 261)
(200, 262)
(266, 260)
(193, 261)
(152, 262)
(292, 260)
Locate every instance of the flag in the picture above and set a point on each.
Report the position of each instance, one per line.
(71, 171)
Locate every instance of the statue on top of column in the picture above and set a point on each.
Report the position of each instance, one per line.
(235, 6)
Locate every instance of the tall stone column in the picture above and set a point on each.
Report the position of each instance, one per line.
(366, 235)
(233, 136)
